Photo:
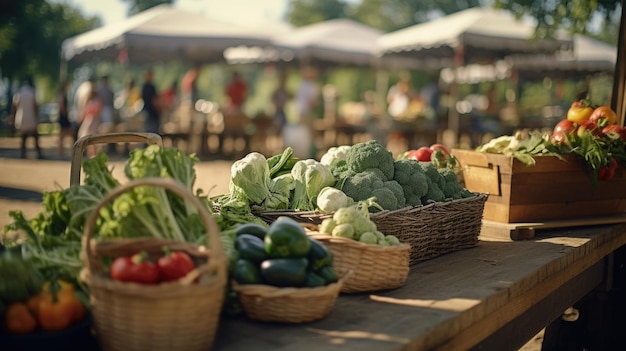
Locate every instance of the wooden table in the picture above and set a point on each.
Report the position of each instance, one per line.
(493, 297)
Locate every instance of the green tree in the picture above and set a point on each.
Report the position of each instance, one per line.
(390, 15)
(31, 35)
(136, 6)
(573, 15)
(303, 12)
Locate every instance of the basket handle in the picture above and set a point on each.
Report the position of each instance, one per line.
(105, 138)
(217, 251)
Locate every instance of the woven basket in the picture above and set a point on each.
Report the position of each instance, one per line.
(431, 230)
(268, 303)
(182, 315)
(373, 267)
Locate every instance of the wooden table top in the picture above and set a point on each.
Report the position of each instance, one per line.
(451, 302)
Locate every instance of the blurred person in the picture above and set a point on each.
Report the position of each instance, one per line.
(90, 119)
(399, 97)
(280, 97)
(151, 107)
(129, 98)
(169, 99)
(107, 112)
(66, 127)
(306, 99)
(81, 96)
(188, 86)
(26, 112)
(237, 92)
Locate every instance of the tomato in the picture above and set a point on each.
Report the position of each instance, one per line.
(441, 147)
(589, 126)
(174, 265)
(135, 269)
(603, 115)
(579, 112)
(561, 130)
(422, 154)
(607, 172)
(616, 130)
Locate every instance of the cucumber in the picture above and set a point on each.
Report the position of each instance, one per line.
(251, 228)
(285, 272)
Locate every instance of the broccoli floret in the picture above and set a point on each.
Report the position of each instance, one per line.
(432, 173)
(452, 187)
(370, 154)
(434, 193)
(371, 183)
(410, 175)
(397, 191)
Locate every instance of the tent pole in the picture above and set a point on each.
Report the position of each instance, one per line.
(618, 98)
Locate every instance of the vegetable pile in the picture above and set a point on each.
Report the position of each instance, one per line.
(588, 132)
(282, 255)
(353, 222)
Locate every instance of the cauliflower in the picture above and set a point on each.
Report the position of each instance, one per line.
(310, 177)
(333, 154)
(370, 154)
(331, 199)
(410, 175)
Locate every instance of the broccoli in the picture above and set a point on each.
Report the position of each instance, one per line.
(371, 183)
(431, 172)
(434, 193)
(452, 187)
(370, 154)
(412, 178)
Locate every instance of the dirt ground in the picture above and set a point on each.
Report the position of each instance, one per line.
(23, 180)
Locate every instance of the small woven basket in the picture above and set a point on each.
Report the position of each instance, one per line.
(182, 315)
(373, 267)
(431, 230)
(268, 303)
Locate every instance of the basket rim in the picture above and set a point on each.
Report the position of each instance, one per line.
(358, 244)
(319, 214)
(270, 291)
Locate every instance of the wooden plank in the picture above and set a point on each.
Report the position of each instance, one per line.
(515, 231)
(455, 300)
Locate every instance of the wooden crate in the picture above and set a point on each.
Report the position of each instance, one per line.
(551, 190)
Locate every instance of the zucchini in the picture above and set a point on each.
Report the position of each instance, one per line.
(285, 272)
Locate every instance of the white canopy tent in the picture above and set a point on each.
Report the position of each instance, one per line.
(474, 35)
(162, 33)
(338, 42)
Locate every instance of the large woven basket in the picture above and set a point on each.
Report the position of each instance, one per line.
(431, 230)
(181, 315)
(373, 267)
(287, 305)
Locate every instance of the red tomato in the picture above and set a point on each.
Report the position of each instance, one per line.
(603, 115)
(174, 265)
(441, 147)
(592, 127)
(615, 129)
(135, 269)
(422, 154)
(579, 112)
(561, 130)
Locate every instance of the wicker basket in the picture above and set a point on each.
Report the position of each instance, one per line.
(431, 230)
(180, 315)
(373, 267)
(268, 303)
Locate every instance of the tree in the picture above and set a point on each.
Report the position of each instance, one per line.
(390, 15)
(573, 15)
(31, 36)
(303, 12)
(136, 6)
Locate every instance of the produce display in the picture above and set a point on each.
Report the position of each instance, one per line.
(588, 132)
(353, 222)
(281, 256)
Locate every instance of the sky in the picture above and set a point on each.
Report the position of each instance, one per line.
(244, 12)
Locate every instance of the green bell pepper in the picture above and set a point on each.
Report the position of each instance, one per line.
(286, 238)
(250, 247)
